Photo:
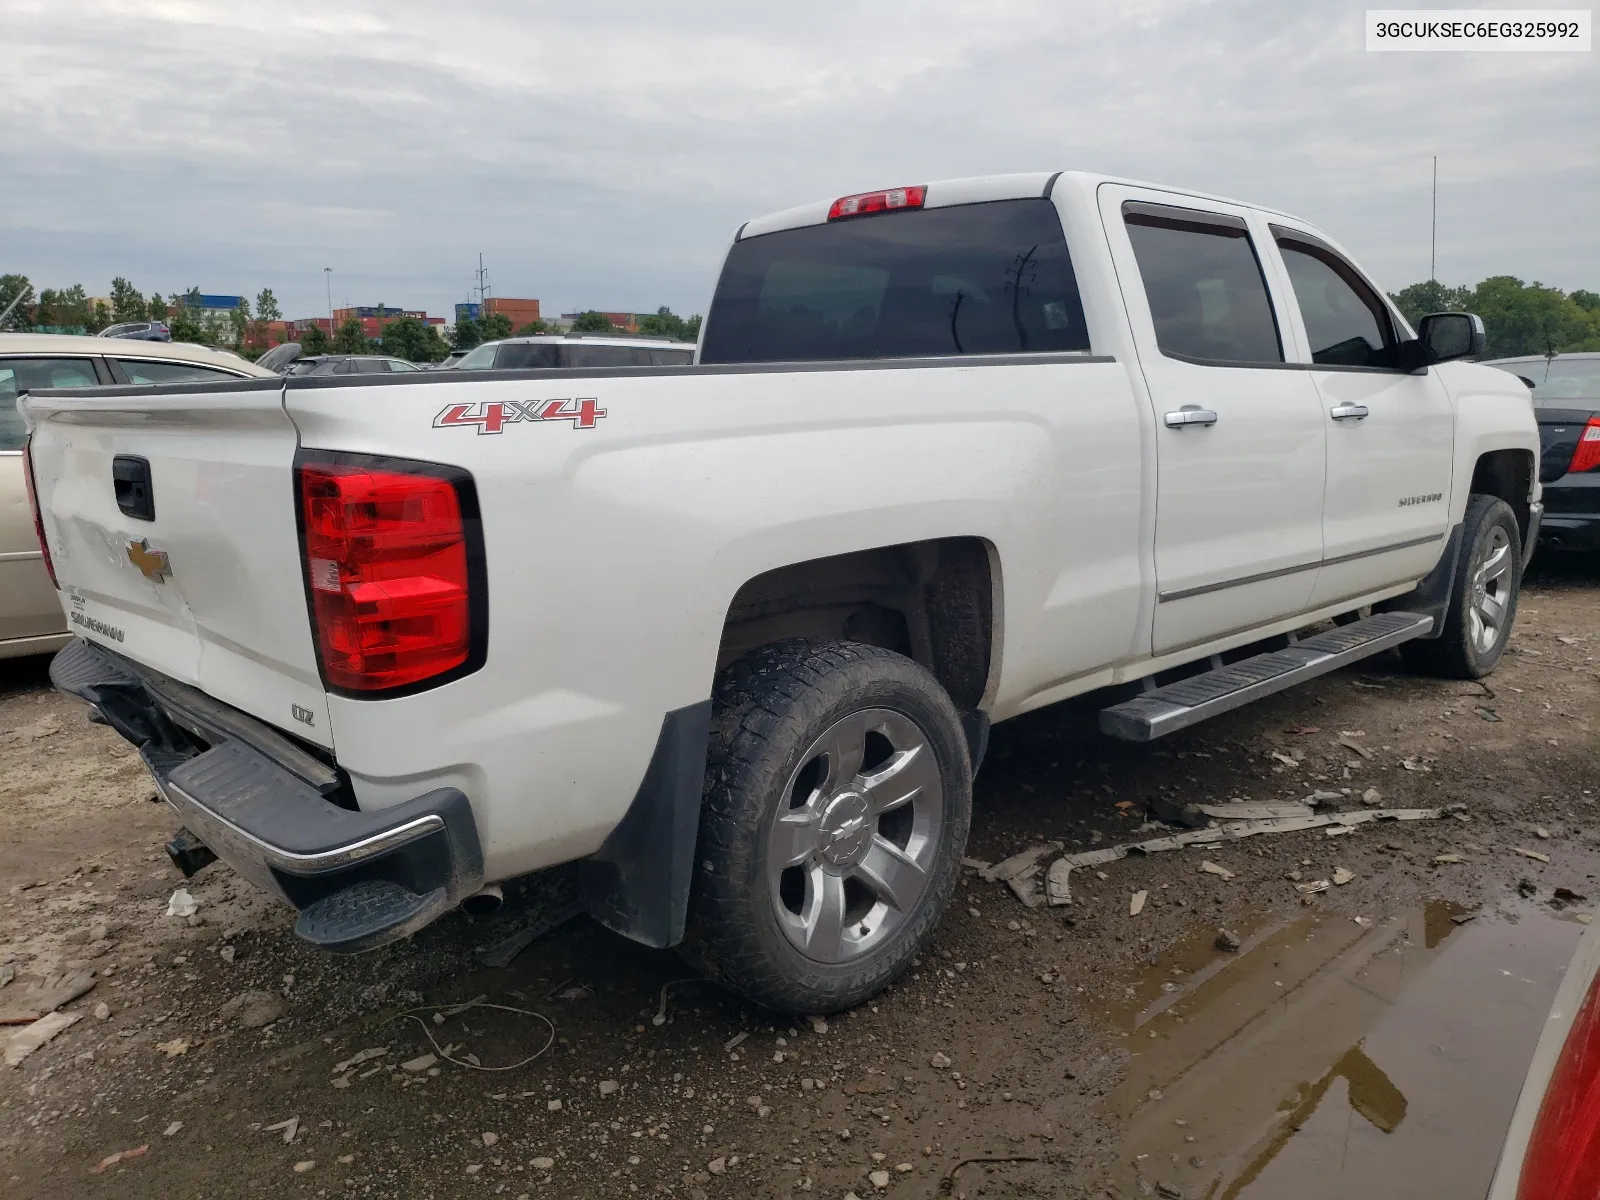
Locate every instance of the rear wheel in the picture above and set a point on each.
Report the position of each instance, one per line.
(838, 796)
(1483, 596)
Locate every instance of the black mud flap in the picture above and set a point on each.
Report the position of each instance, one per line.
(637, 883)
(1431, 596)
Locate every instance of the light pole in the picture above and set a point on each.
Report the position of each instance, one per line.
(327, 274)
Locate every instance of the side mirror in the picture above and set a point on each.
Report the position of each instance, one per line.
(1449, 336)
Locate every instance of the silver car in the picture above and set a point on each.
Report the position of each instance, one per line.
(31, 621)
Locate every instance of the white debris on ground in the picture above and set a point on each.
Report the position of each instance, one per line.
(1224, 823)
(182, 904)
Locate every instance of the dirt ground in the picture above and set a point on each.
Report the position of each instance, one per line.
(1032, 1052)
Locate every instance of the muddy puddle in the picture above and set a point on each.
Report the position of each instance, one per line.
(1330, 1058)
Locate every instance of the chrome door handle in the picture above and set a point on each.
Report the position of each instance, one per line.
(1348, 412)
(1190, 414)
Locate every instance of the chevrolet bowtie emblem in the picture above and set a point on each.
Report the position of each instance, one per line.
(152, 564)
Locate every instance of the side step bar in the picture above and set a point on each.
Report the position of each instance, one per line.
(1179, 705)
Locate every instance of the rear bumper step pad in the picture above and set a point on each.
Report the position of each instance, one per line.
(1188, 701)
(360, 879)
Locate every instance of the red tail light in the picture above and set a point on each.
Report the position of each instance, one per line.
(874, 202)
(1586, 457)
(1563, 1157)
(390, 574)
(33, 504)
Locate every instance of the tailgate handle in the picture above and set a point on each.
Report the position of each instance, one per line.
(130, 475)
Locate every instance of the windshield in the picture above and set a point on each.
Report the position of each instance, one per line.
(480, 359)
(1570, 379)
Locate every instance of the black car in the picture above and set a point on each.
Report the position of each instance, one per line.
(139, 331)
(1566, 401)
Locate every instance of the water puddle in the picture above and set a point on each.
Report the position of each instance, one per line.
(1329, 1059)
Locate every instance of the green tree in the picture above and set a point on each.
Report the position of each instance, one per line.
(1420, 299)
(239, 324)
(155, 308)
(1528, 318)
(593, 322)
(1586, 300)
(65, 308)
(312, 341)
(23, 315)
(467, 334)
(348, 339)
(267, 306)
(532, 328)
(493, 327)
(127, 303)
(185, 322)
(99, 317)
(412, 339)
(666, 323)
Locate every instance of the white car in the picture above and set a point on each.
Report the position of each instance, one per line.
(732, 635)
(31, 621)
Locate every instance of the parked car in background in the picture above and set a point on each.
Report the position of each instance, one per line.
(1566, 401)
(451, 360)
(142, 331)
(349, 364)
(575, 350)
(31, 621)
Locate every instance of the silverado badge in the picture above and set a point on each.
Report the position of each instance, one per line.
(152, 564)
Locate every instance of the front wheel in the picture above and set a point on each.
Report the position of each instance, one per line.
(1483, 596)
(837, 801)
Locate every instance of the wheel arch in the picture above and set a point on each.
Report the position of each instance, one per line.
(937, 601)
(1508, 474)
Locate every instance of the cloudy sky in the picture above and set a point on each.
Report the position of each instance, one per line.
(600, 155)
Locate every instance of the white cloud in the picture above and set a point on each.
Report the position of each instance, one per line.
(601, 157)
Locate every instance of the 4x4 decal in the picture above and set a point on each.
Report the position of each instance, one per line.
(492, 417)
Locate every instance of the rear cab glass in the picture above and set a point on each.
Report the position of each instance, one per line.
(990, 278)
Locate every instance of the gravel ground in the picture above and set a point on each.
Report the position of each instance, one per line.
(993, 1068)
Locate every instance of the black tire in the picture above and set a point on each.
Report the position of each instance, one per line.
(1455, 653)
(771, 707)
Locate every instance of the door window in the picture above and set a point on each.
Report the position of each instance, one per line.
(480, 358)
(1208, 296)
(1346, 323)
(18, 375)
(143, 371)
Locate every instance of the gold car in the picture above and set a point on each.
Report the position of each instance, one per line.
(31, 620)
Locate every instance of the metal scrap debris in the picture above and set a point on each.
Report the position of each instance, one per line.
(1311, 889)
(1018, 863)
(1211, 868)
(1058, 877)
(1342, 876)
(1544, 858)
(25, 1041)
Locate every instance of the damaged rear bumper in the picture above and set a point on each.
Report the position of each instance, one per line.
(278, 814)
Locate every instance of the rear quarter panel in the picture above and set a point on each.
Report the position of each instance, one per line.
(613, 552)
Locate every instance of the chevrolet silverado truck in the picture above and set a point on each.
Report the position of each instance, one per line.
(729, 638)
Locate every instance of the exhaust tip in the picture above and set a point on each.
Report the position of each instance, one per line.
(484, 901)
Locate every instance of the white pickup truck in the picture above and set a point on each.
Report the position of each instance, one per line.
(731, 635)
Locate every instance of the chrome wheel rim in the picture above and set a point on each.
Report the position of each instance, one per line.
(1492, 580)
(853, 842)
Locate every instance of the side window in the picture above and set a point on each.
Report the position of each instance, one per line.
(1207, 294)
(372, 366)
(400, 364)
(18, 375)
(1346, 322)
(516, 356)
(991, 278)
(671, 358)
(141, 371)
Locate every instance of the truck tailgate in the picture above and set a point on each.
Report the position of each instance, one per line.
(204, 583)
